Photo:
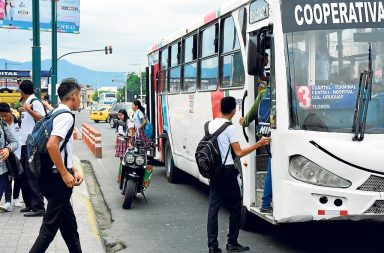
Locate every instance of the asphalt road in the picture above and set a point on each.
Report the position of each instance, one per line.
(174, 219)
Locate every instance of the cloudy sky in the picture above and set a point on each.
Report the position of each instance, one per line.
(130, 26)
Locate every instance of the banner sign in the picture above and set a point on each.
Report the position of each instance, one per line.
(324, 97)
(299, 15)
(17, 14)
(21, 73)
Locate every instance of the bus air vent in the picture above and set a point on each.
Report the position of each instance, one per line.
(376, 208)
(373, 184)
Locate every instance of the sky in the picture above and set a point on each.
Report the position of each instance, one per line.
(130, 26)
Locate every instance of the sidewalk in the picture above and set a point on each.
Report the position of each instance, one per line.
(17, 233)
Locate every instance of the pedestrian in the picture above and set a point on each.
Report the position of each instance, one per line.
(224, 186)
(14, 127)
(8, 144)
(57, 186)
(31, 111)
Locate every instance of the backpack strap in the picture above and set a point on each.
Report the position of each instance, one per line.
(36, 99)
(222, 128)
(206, 131)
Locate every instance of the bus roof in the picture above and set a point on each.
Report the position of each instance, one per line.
(226, 8)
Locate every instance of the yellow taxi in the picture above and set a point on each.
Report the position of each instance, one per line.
(100, 113)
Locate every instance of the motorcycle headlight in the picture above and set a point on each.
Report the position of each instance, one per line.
(140, 160)
(129, 158)
(307, 171)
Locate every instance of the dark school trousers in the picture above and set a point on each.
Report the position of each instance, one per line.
(4, 179)
(224, 190)
(59, 215)
(30, 185)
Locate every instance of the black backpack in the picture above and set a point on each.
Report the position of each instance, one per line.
(207, 154)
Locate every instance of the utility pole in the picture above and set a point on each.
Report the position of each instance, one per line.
(36, 49)
(53, 97)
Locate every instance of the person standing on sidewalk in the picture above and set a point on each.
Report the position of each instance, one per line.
(57, 186)
(224, 187)
(13, 125)
(31, 111)
(8, 144)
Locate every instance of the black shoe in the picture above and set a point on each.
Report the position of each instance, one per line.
(25, 210)
(215, 250)
(38, 213)
(236, 248)
(266, 210)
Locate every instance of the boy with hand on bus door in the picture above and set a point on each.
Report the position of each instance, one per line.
(263, 116)
(224, 187)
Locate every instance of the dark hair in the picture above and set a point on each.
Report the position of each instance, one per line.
(66, 87)
(4, 107)
(138, 103)
(26, 86)
(124, 112)
(227, 105)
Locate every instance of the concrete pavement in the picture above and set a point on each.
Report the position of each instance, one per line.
(17, 233)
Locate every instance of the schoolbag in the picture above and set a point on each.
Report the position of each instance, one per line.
(147, 128)
(39, 161)
(263, 114)
(207, 155)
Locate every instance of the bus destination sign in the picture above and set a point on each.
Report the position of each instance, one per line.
(258, 10)
(298, 15)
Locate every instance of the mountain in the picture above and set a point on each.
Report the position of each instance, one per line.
(66, 69)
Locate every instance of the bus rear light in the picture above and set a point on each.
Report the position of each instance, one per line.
(333, 212)
(307, 171)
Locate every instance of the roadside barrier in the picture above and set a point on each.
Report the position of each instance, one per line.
(92, 138)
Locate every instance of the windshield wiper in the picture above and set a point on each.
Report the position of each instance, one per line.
(364, 95)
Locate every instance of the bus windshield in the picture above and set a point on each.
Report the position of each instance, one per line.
(323, 73)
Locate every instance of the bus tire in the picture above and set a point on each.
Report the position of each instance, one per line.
(171, 172)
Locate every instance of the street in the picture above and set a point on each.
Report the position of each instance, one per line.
(174, 219)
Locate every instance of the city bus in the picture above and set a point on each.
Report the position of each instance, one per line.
(326, 62)
(107, 98)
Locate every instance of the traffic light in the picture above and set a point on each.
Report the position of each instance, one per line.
(110, 49)
(106, 50)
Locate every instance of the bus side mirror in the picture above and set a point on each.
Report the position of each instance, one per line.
(255, 60)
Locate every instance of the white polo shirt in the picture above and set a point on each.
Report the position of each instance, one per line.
(15, 130)
(225, 139)
(61, 125)
(27, 121)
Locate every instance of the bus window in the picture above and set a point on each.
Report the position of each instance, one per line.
(163, 71)
(175, 54)
(174, 80)
(209, 45)
(232, 68)
(243, 24)
(189, 77)
(190, 48)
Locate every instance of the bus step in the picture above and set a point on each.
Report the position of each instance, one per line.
(260, 179)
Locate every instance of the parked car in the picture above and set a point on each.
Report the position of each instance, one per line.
(115, 110)
(100, 114)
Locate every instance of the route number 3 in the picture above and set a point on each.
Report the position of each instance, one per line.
(304, 95)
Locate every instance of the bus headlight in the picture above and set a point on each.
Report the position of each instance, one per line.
(129, 158)
(307, 171)
(140, 160)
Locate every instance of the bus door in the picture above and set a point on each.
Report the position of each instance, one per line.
(260, 65)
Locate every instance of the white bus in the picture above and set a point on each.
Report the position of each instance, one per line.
(107, 98)
(327, 101)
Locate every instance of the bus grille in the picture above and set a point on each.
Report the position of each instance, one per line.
(376, 208)
(373, 184)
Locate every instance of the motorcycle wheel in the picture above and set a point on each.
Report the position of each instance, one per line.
(129, 194)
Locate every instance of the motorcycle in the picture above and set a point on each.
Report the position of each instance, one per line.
(135, 177)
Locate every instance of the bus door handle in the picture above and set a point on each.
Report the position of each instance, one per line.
(242, 114)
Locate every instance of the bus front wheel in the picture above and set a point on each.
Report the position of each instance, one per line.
(171, 172)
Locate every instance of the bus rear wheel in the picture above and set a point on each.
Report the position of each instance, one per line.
(171, 172)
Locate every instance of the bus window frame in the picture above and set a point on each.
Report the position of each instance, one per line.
(178, 64)
(222, 55)
(163, 91)
(183, 62)
(217, 54)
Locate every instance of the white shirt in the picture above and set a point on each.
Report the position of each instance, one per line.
(225, 139)
(15, 130)
(61, 125)
(27, 121)
(139, 115)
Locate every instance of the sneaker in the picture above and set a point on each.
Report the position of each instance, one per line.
(266, 210)
(25, 209)
(16, 203)
(215, 250)
(7, 207)
(38, 213)
(236, 248)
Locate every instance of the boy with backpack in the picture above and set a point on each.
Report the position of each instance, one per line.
(31, 111)
(57, 175)
(224, 187)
